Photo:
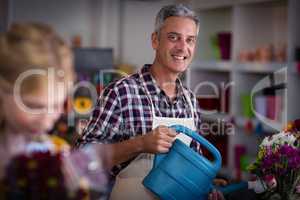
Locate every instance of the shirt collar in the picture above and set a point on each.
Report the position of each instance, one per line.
(152, 86)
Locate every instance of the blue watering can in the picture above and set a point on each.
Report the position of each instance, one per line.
(182, 173)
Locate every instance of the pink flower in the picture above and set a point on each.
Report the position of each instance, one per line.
(270, 181)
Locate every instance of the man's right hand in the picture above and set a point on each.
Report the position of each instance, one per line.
(159, 140)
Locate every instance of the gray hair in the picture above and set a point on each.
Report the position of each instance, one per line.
(177, 10)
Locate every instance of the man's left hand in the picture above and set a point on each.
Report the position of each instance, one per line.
(219, 182)
(217, 195)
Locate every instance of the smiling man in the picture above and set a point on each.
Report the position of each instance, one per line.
(133, 114)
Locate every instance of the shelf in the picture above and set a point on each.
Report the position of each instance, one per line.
(250, 67)
(240, 122)
(216, 66)
(254, 25)
(260, 68)
(212, 22)
(294, 68)
(258, 26)
(216, 117)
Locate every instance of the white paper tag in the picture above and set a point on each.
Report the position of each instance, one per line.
(184, 138)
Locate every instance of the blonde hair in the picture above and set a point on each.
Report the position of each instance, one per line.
(27, 46)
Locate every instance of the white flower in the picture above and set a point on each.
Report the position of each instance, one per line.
(39, 147)
(279, 139)
(267, 141)
(258, 186)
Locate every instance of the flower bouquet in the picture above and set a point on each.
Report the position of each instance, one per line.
(45, 171)
(278, 165)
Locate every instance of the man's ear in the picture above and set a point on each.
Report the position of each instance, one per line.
(154, 40)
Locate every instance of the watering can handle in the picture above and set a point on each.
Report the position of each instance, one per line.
(182, 129)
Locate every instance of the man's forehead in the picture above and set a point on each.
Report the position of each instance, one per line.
(180, 25)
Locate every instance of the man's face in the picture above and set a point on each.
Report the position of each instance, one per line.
(175, 45)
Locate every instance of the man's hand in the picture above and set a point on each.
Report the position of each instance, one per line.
(216, 195)
(220, 182)
(159, 140)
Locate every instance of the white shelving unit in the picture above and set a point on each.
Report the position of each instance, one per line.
(252, 23)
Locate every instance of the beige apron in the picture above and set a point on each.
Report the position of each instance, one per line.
(128, 183)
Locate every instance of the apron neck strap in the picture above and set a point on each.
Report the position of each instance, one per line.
(187, 97)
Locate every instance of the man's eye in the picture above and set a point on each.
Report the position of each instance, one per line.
(173, 37)
(191, 40)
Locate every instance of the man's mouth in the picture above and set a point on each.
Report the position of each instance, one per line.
(179, 57)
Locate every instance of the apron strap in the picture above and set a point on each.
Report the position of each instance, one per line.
(187, 97)
(148, 95)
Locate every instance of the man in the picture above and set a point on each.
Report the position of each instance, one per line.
(133, 114)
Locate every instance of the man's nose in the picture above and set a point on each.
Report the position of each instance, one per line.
(181, 44)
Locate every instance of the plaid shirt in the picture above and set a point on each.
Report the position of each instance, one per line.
(123, 110)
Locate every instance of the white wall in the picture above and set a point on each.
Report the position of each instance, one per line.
(125, 25)
(68, 17)
(138, 24)
(97, 21)
(105, 25)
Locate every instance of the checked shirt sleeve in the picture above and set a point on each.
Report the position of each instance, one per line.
(104, 124)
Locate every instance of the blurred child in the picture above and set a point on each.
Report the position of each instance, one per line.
(25, 103)
(35, 74)
(27, 109)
